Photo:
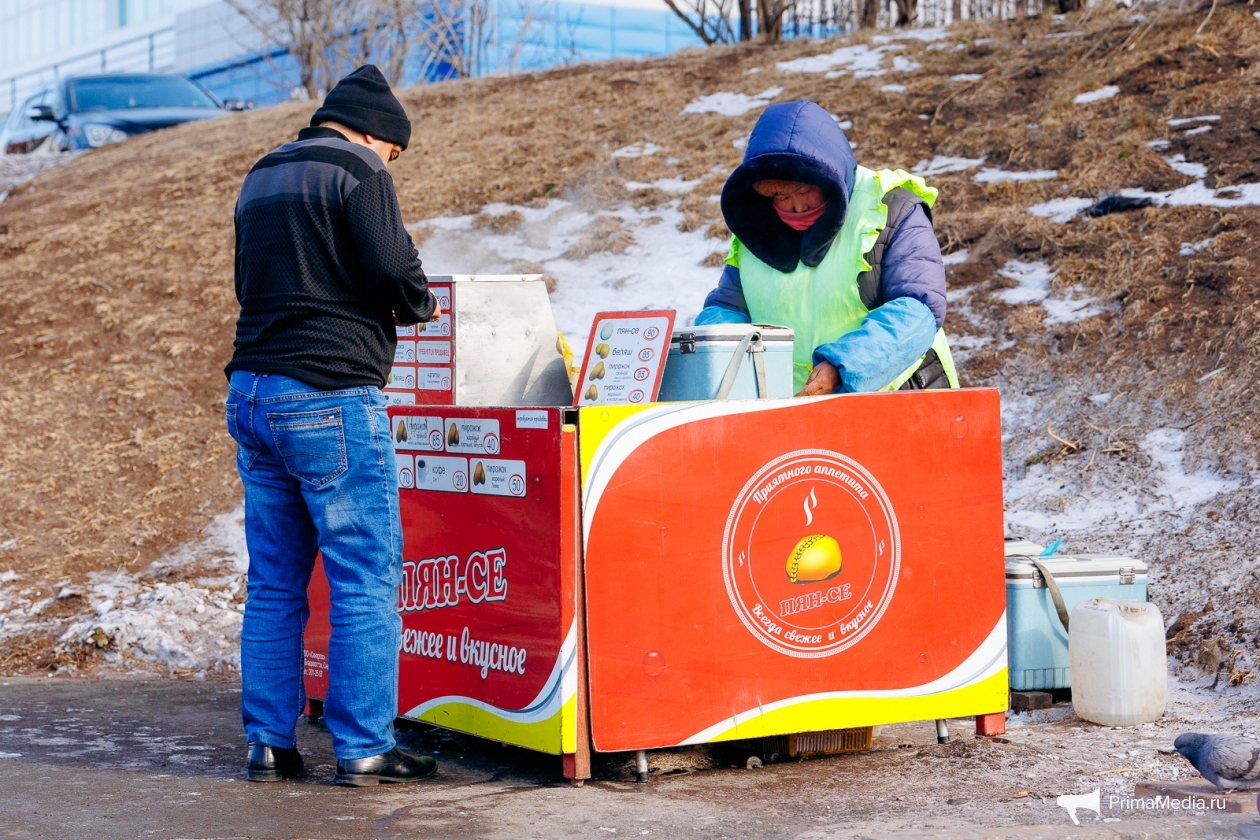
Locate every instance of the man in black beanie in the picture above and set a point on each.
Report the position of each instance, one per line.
(324, 271)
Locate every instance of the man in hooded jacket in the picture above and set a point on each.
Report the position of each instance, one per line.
(844, 255)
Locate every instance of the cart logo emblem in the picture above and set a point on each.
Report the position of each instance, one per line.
(830, 520)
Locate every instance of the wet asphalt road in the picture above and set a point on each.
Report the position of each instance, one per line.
(88, 759)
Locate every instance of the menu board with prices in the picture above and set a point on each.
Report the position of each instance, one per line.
(417, 437)
(423, 371)
(625, 356)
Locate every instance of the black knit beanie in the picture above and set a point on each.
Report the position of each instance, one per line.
(364, 102)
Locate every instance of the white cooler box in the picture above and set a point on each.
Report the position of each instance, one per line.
(753, 360)
(1037, 643)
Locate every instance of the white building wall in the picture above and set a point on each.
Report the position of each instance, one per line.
(37, 32)
(210, 33)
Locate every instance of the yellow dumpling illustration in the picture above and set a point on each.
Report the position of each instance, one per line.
(452, 436)
(400, 436)
(602, 350)
(597, 372)
(592, 393)
(815, 558)
(479, 474)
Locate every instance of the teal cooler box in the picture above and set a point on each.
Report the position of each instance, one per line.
(752, 360)
(1037, 644)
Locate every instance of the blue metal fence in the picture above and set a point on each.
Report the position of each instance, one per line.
(568, 32)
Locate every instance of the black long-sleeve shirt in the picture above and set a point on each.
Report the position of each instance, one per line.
(323, 264)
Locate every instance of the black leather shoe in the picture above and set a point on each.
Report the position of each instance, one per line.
(271, 764)
(391, 767)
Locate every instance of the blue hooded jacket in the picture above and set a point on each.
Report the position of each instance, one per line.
(799, 141)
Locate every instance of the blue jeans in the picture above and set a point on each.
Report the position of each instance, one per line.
(318, 470)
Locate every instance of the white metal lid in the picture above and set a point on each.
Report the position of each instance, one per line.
(1019, 547)
(714, 333)
(484, 278)
(1075, 566)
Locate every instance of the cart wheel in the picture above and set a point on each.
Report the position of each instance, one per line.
(314, 710)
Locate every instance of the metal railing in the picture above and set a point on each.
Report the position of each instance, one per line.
(154, 52)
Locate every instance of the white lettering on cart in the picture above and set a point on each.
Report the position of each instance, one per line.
(787, 475)
(766, 620)
(441, 581)
(810, 600)
(763, 492)
(422, 643)
(490, 656)
(856, 622)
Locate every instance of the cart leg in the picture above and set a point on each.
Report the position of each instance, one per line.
(640, 767)
(942, 732)
(994, 724)
(569, 766)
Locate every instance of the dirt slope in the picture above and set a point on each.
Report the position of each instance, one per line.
(117, 308)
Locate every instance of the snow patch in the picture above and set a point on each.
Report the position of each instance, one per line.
(1061, 210)
(1158, 144)
(1096, 95)
(635, 150)
(904, 65)
(1185, 167)
(990, 175)
(927, 35)
(1034, 287)
(1077, 306)
(1189, 249)
(966, 77)
(859, 59)
(674, 185)
(893, 88)
(731, 104)
(1035, 502)
(660, 269)
(180, 627)
(1180, 121)
(942, 164)
(1203, 129)
(1033, 279)
(1199, 195)
(956, 258)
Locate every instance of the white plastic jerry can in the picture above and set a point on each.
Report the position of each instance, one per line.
(1119, 662)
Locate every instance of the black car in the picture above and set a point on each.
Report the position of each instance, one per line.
(89, 111)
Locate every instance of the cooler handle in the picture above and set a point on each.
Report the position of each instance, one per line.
(750, 343)
(1055, 595)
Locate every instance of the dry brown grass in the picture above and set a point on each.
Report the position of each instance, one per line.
(116, 297)
(604, 235)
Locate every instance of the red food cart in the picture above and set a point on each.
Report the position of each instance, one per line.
(636, 577)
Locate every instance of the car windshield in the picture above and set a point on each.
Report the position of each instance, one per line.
(118, 93)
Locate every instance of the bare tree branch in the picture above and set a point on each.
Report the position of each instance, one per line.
(711, 27)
